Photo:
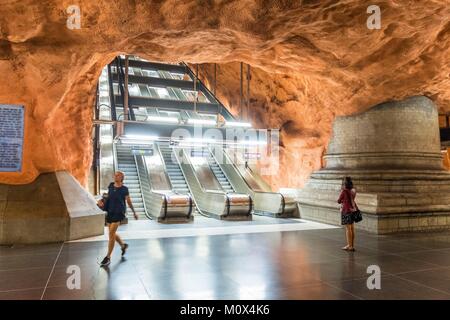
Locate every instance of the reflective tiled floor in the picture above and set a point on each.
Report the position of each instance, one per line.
(305, 264)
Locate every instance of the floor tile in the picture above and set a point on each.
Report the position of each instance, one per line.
(437, 257)
(28, 261)
(436, 278)
(31, 294)
(319, 291)
(394, 263)
(24, 279)
(391, 288)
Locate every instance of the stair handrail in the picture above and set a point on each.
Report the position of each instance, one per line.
(139, 178)
(115, 161)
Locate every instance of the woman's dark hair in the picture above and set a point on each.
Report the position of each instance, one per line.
(348, 183)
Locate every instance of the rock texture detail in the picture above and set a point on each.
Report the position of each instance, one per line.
(310, 61)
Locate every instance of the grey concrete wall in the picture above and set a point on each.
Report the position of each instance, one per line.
(53, 208)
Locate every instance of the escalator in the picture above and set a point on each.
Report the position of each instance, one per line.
(126, 164)
(172, 183)
(244, 179)
(213, 198)
(224, 183)
(166, 198)
(174, 172)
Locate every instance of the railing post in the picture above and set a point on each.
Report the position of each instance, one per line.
(248, 94)
(125, 98)
(215, 78)
(241, 89)
(195, 88)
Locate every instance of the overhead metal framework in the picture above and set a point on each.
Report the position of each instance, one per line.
(160, 75)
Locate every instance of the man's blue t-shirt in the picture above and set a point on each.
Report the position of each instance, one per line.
(116, 199)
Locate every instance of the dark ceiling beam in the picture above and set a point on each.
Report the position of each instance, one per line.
(176, 68)
(203, 107)
(158, 82)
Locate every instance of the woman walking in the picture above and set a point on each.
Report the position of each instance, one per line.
(348, 207)
(116, 208)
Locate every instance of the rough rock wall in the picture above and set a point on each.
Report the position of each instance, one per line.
(311, 61)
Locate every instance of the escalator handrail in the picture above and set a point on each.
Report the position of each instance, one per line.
(115, 161)
(139, 179)
(283, 204)
(227, 205)
(156, 146)
(165, 204)
(250, 209)
(190, 206)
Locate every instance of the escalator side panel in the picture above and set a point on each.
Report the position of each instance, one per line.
(153, 202)
(161, 201)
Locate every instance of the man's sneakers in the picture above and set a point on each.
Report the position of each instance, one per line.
(124, 248)
(105, 262)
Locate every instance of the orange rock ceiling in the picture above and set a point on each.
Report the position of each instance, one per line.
(310, 61)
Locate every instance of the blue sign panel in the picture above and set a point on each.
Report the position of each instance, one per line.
(11, 137)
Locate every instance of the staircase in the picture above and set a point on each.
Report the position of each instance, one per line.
(126, 164)
(224, 183)
(174, 171)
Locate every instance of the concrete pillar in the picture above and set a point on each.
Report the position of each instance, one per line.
(392, 152)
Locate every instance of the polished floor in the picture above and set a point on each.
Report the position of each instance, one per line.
(202, 226)
(299, 264)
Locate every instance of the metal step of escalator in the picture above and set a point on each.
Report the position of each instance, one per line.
(220, 176)
(174, 172)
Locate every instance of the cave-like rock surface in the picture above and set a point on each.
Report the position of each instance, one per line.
(310, 60)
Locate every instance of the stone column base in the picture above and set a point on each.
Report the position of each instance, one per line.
(382, 224)
(390, 201)
(53, 208)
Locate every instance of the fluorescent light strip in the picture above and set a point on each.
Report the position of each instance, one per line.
(238, 124)
(252, 143)
(201, 140)
(162, 119)
(134, 141)
(202, 121)
(140, 137)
